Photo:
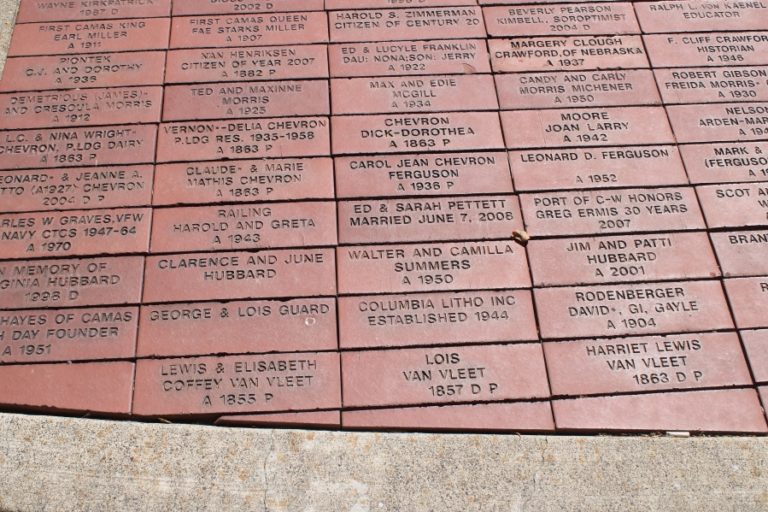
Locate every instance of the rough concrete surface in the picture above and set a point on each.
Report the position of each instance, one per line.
(8, 10)
(58, 464)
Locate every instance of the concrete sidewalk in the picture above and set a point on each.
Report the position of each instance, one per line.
(8, 10)
(51, 463)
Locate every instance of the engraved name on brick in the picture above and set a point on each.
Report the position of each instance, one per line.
(68, 334)
(436, 319)
(574, 168)
(562, 19)
(76, 188)
(80, 108)
(416, 132)
(253, 226)
(567, 53)
(625, 309)
(707, 49)
(713, 85)
(622, 258)
(611, 211)
(726, 163)
(739, 205)
(89, 36)
(251, 63)
(395, 24)
(423, 175)
(246, 100)
(236, 327)
(214, 140)
(403, 220)
(86, 10)
(74, 233)
(443, 375)
(425, 267)
(742, 253)
(71, 282)
(586, 127)
(443, 56)
(240, 275)
(76, 147)
(413, 94)
(249, 29)
(83, 71)
(237, 384)
(244, 181)
(639, 364)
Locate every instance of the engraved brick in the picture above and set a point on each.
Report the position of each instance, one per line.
(192, 7)
(709, 49)
(405, 220)
(748, 297)
(244, 181)
(693, 16)
(83, 71)
(736, 410)
(240, 275)
(518, 416)
(567, 53)
(77, 147)
(79, 108)
(76, 188)
(423, 175)
(562, 19)
(586, 127)
(68, 334)
(89, 37)
(237, 327)
(443, 375)
(214, 140)
(756, 345)
(626, 309)
(378, 321)
(449, 56)
(723, 163)
(249, 30)
(577, 89)
(321, 419)
(742, 253)
(712, 85)
(246, 99)
(716, 123)
(573, 168)
(237, 384)
(426, 267)
(71, 282)
(399, 24)
(416, 132)
(609, 259)
(611, 211)
(653, 363)
(217, 228)
(257, 63)
(74, 233)
(33, 11)
(433, 93)
(334, 5)
(93, 387)
(744, 204)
